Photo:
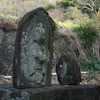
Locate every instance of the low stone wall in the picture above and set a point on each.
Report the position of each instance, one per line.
(54, 92)
(61, 45)
(7, 42)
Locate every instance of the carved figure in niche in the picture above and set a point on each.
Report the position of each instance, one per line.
(34, 50)
(36, 55)
(39, 35)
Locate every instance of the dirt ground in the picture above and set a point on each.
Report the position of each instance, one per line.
(86, 79)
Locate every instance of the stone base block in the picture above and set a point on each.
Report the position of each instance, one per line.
(54, 92)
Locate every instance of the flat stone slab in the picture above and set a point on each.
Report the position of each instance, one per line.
(54, 92)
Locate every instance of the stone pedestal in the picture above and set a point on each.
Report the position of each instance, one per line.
(54, 92)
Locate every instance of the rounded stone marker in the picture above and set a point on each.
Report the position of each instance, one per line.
(68, 71)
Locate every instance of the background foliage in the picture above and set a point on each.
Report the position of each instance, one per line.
(82, 17)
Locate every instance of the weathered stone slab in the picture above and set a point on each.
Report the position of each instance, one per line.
(68, 71)
(54, 92)
(1, 35)
(33, 50)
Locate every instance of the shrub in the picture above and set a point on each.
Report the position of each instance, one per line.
(67, 3)
(87, 32)
(66, 23)
(91, 66)
(58, 4)
(56, 25)
(49, 6)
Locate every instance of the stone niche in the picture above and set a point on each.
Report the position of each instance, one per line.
(33, 50)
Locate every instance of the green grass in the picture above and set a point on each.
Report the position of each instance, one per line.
(87, 32)
(63, 3)
(74, 14)
(49, 6)
(10, 16)
(56, 24)
(92, 66)
(66, 3)
(66, 23)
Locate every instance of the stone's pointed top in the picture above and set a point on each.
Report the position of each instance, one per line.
(68, 71)
(31, 14)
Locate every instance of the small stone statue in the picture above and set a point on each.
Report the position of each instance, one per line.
(68, 71)
(34, 50)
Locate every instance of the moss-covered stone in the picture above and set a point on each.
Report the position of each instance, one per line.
(34, 50)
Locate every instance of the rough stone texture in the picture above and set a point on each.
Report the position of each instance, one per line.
(63, 45)
(7, 42)
(34, 50)
(10, 38)
(68, 71)
(54, 92)
(6, 58)
(1, 35)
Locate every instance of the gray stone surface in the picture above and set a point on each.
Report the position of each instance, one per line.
(7, 42)
(1, 35)
(6, 58)
(68, 71)
(10, 38)
(63, 45)
(54, 92)
(6, 53)
(34, 50)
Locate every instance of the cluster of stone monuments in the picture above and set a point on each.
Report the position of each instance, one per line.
(34, 53)
(33, 62)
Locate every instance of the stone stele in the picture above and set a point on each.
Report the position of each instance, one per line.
(33, 50)
(68, 71)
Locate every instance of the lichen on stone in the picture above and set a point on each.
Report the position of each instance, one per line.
(64, 69)
(34, 54)
(26, 96)
(6, 95)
